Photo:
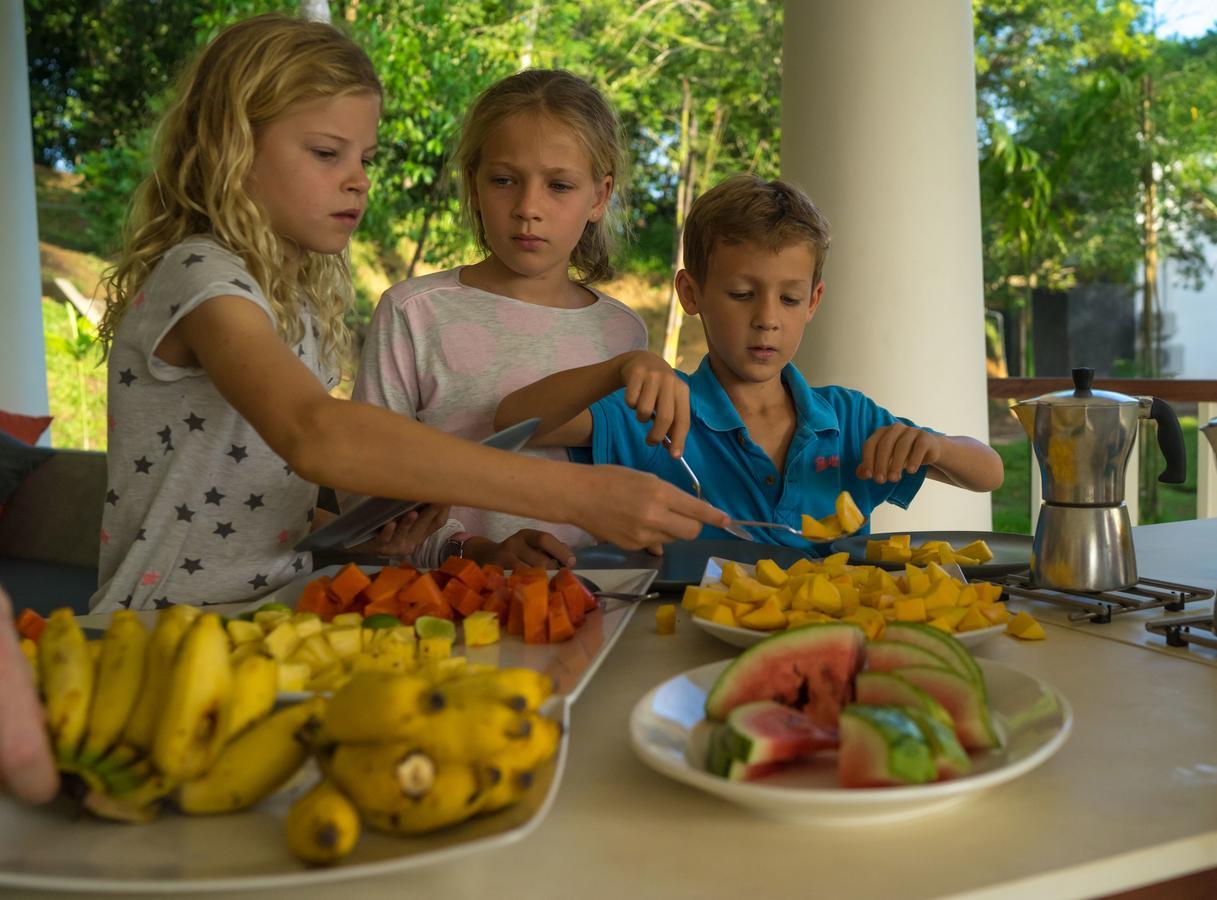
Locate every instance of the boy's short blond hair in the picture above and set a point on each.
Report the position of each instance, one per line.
(742, 208)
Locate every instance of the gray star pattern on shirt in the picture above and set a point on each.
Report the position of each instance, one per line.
(191, 565)
(111, 497)
(258, 581)
(241, 284)
(184, 513)
(254, 501)
(143, 465)
(126, 376)
(214, 496)
(224, 529)
(162, 603)
(191, 260)
(195, 423)
(237, 453)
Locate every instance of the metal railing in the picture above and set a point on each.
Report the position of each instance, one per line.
(1202, 392)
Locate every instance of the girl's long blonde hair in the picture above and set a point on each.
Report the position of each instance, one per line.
(576, 104)
(251, 74)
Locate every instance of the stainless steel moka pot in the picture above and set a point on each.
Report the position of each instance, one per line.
(1083, 440)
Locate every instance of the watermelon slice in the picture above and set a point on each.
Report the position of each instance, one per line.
(953, 653)
(768, 732)
(950, 759)
(881, 746)
(810, 668)
(889, 689)
(884, 656)
(964, 700)
(719, 760)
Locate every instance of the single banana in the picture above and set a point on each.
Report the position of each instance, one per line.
(190, 732)
(374, 706)
(170, 626)
(255, 681)
(322, 826)
(523, 690)
(30, 651)
(399, 789)
(67, 681)
(141, 804)
(465, 734)
(254, 765)
(120, 676)
(509, 774)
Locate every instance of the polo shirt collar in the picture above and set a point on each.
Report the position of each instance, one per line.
(710, 404)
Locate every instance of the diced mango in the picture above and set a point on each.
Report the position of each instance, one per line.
(910, 609)
(917, 580)
(972, 620)
(836, 559)
(706, 611)
(994, 612)
(731, 571)
(770, 573)
(722, 615)
(766, 617)
(977, 549)
(801, 567)
(945, 593)
(889, 553)
(825, 596)
(815, 530)
(695, 596)
(749, 590)
(901, 540)
(1024, 626)
(665, 618)
(849, 516)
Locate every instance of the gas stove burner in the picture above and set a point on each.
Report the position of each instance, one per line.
(1180, 631)
(1099, 607)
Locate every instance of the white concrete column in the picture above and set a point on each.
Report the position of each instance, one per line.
(879, 127)
(1206, 470)
(22, 356)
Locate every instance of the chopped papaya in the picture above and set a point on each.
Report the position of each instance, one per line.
(349, 582)
(466, 571)
(461, 598)
(30, 624)
(560, 627)
(388, 582)
(534, 597)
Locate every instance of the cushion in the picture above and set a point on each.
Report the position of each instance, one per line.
(24, 428)
(16, 461)
(55, 515)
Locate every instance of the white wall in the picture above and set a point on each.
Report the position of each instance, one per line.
(1195, 315)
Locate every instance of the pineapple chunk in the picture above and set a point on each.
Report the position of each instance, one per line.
(242, 632)
(315, 652)
(347, 619)
(329, 679)
(269, 619)
(282, 641)
(482, 628)
(434, 648)
(345, 641)
(293, 677)
(244, 650)
(307, 624)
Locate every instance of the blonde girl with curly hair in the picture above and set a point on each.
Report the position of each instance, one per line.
(225, 332)
(542, 168)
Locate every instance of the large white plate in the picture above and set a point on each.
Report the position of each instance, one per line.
(669, 733)
(49, 848)
(746, 637)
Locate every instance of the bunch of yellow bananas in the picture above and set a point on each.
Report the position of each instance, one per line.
(150, 715)
(411, 752)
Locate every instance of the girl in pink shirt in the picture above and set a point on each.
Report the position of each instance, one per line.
(541, 160)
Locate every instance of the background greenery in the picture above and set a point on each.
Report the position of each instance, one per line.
(1095, 142)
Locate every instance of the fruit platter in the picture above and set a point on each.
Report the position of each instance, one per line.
(821, 724)
(742, 604)
(173, 723)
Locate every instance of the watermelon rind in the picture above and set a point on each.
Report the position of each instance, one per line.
(766, 731)
(884, 656)
(950, 759)
(963, 699)
(889, 689)
(950, 648)
(810, 668)
(882, 746)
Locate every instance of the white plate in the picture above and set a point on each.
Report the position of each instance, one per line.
(746, 637)
(669, 733)
(47, 849)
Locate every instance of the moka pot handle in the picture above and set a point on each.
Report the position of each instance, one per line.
(1170, 442)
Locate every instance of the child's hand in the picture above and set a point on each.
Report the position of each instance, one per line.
(402, 536)
(896, 449)
(653, 389)
(26, 767)
(527, 547)
(635, 509)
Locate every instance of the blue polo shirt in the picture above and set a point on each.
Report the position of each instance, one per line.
(737, 476)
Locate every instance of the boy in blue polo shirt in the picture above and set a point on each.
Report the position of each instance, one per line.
(765, 444)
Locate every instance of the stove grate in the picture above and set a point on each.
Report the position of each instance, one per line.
(1099, 607)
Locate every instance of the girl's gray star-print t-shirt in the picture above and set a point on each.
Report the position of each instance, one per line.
(198, 508)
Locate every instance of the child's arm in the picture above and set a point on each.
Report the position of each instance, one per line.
(561, 401)
(962, 461)
(363, 448)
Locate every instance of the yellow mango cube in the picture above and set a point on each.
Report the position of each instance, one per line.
(836, 559)
(695, 596)
(802, 567)
(749, 590)
(850, 599)
(707, 610)
(910, 609)
(966, 560)
(1024, 626)
(994, 612)
(952, 615)
(849, 516)
(972, 620)
(784, 596)
(723, 615)
(874, 550)
(770, 573)
(731, 571)
(815, 530)
(916, 579)
(895, 554)
(825, 596)
(936, 572)
(978, 550)
(665, 618)
(945, 593)
(766, 617)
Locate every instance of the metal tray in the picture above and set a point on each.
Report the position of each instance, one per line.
(683, 562)
(1011, 552)
(359, 523)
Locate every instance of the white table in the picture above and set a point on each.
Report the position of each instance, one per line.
(1130, 799)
